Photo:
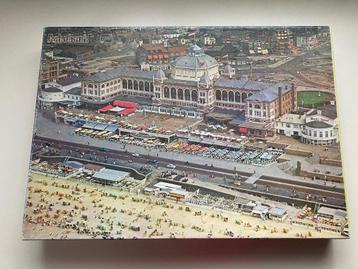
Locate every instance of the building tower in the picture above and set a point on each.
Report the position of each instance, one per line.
(206, 92)
(228, 71)
(158, 80)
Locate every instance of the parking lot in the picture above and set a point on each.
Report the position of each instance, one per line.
(167, 122)
(255, 157)
(141, 120)
(147, 142)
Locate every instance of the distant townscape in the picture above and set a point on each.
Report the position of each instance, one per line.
(186, 132)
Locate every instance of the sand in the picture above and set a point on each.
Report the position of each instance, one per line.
(79, 209)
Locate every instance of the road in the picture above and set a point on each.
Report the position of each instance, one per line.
(277, 188)
(47, 128)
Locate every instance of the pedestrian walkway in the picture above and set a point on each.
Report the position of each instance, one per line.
(253, 178)
(48, 128)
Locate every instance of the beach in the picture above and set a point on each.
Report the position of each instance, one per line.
(60, 208)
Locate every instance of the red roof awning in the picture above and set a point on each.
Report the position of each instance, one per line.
(125, 104)
(243, 130)
(127, 111)
(149, 56)
(105, 108)
(155, 56)
(166, 56)
(161, 56)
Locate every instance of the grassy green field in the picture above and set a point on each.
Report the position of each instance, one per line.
(311, 98)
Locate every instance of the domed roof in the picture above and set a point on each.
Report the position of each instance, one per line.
(51, 89)
(196, 59)
(318, 124)
(160, 74)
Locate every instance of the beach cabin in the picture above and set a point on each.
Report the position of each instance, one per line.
(277, 213)
(109, 176)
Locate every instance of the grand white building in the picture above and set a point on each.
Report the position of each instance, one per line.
(194, 83)
(316, 126)
(66, 92)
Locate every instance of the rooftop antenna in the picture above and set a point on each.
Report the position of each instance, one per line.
(250, 70)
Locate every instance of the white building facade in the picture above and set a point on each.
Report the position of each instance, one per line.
(194, 83)
(313, 127)
(66, 92)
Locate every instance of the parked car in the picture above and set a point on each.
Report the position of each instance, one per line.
(171, 166)
(135, 155)
(151, 161)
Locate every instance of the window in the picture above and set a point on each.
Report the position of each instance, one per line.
(125, 85)
(231, 96)
(194, 96)
(187, 95)
(224, 96)
(237, 97)
(173, 93)
(180, 94)
(166, 92)
(218, 95)
(243, 97)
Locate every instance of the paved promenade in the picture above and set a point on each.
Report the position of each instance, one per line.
(48, 128)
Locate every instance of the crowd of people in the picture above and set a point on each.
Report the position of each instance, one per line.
(68, 209)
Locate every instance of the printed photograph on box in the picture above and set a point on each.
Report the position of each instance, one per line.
(185, 132)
